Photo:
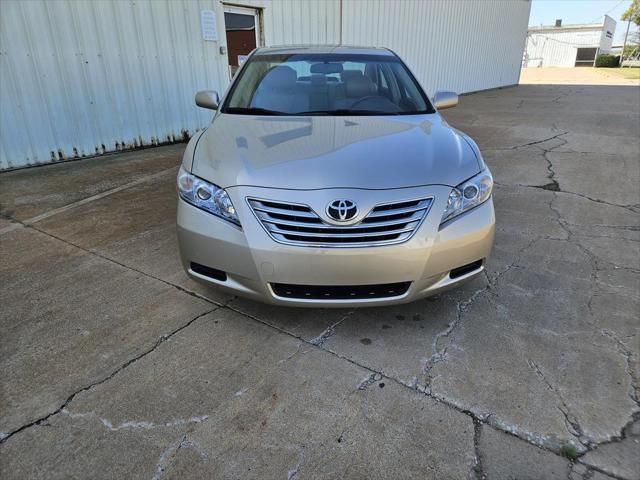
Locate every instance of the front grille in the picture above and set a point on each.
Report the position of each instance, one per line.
(340, 292)
(299, 225)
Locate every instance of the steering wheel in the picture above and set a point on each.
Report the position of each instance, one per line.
(364, 99)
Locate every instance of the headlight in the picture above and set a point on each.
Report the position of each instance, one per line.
(206, 196)
(468, 195)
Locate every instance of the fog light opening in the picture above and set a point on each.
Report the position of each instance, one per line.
(465, 269)
(213, 273)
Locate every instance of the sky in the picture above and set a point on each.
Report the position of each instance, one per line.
(545, 12)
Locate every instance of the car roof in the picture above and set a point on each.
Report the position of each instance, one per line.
(322, 49)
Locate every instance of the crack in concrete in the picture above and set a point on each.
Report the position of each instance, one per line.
(586, 474)
(634, 394)
(631, 208)
(294, 471)
(571, 421)
(329, 331)
(8, 435)
(135, 424)
(440, 354)
(626, 430)
(120, 264)
(289, 357)
(523, 145)
(477, 471)
(625, 433)
(543, 442)
(592, 470)
(615, 237)
(593, 261)
(549, 444)
(24, 223)
(629, 369)
(554, 185)
(370, 380)
(172, 450)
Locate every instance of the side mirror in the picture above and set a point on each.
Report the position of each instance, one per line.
(442, 100)
(207, 99)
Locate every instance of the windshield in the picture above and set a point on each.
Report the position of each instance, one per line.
(326, 84)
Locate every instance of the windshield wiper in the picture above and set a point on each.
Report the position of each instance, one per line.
(345, 111)
(254, 111)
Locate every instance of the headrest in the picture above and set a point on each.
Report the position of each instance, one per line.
(347, 74)
(360, 86)
(318, 80)
(280, 77)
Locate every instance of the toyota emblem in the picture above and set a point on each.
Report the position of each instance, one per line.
(342, 210)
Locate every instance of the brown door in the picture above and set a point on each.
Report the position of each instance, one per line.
(242, 35)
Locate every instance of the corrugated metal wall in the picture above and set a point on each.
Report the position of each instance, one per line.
(456, 45)
(557, 49)
(295, 22)
(80, 77)
(87, 77)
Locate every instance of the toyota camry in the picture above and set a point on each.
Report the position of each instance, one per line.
(327, 177)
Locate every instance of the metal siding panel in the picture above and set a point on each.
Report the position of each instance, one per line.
(87, 77)
(449, 44)
(558, 49)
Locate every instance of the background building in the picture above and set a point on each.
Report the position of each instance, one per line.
(568, 45)
(82, 78)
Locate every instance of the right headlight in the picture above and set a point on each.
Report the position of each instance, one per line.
(468, 195)
(206, 196)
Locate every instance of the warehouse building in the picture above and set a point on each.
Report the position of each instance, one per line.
(83, 78)
(568, 45)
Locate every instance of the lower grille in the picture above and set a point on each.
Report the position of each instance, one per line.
(340, 292)
(297, 224)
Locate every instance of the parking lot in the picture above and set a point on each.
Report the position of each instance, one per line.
(116, 365)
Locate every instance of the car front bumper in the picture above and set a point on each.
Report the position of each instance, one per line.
(253, 262)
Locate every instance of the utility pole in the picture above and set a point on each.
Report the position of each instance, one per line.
(624, 45)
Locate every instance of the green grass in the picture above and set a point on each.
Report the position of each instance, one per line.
(569, 451)
(630, 73)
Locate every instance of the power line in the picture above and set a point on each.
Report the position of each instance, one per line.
(607, 13)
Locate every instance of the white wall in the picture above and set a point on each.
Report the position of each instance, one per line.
(608, 32)
(81, 77)
(557, 48)
(456, 45)
(86, 77)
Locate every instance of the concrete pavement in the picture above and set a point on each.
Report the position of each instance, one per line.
(118, 366)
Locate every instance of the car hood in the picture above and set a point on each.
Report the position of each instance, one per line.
(317, 152)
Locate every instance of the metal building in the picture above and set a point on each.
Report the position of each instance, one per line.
(82, 78)
(568, 45)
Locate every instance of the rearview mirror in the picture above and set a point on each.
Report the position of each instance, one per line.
(326, 68)
(442, 100)
(207, 99)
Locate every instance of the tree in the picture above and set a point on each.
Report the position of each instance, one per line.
(632, 13)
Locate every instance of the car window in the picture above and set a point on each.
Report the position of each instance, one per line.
(384, 84)
(326, 84)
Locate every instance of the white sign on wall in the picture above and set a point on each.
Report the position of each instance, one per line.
(208, 23)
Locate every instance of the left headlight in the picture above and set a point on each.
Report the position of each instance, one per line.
(206, 196)
(468, 195)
